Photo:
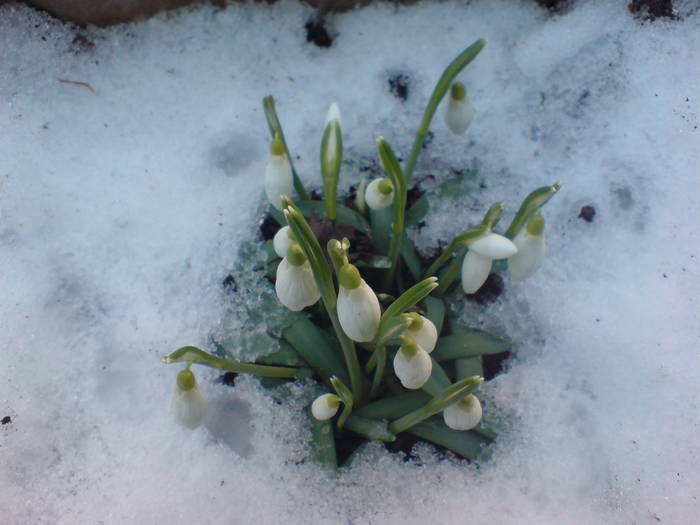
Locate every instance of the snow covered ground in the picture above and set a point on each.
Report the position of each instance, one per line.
(123, 201)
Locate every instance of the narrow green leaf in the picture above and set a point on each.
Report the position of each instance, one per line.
(530, 205)
(418, 211)
(324, 442)
(410, 297)
(468, 444)
(410, 257)
(285, 356)
(468, 366)
(192, 354)
(469, 344)
(392, 328)
(370, 428)
(435, 311)
(381, 228)
(314, 348)
(438, 380)
(394, 407)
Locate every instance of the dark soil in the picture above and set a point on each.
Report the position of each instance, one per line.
(489, 291)
(6, 420)
(317, 34)
(587, 213)
(398, 86)
(652, 9)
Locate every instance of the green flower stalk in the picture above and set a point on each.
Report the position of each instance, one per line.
(331, 159)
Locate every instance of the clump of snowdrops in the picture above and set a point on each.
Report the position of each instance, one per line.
(373, 332)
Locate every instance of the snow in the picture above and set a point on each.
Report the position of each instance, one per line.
(122, 206)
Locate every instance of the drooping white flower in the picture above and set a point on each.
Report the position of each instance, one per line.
(279, 180)
(283, 240)
(333, 114)
(325, 406)
(464, 414)
(458, 110)
(295, 286)
(412, 364)
(358, 306)
(531, 248)
(477, 263)
(422, 331)
(379, 194)
(188, 403)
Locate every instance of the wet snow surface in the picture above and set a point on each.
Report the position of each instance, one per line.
(130, 173)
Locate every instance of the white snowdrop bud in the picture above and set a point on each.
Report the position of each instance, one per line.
(379, 194)
(279, 180)
(458, 110)
(188, 404)
(412, 364)
(464, 414)
(283, 240)
(493, 246)
(475, 271)
(325, 406)
(422, 331)
(333, 114)
(531, 248)
(358, 306)
(295, 286)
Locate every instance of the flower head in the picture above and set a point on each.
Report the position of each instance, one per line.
(412, 364)
(295, 286)
(283, 240)
(422, 331)
(325, 406)
(531, 248)
(358, 306)
(477, 263)
(379, 194)
(464, 414)
(279, 180)
(188, 403)
(458, 111)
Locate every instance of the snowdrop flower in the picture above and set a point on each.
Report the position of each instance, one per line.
(477, 263)
(358, 306)
(330, 158)
(188, 404)
(325, 406)
(458, 111)
(422, 331)
(379, 194)
(279, 180)
(464, 414)
(531, 247)
(412, 364)
(295, 285)
(283, 240)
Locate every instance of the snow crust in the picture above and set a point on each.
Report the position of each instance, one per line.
(123, 204)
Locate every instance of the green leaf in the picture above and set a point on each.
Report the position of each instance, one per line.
(285, 356)
(392, 329)
(315, 349)
(438, 380)
(468, 366)
(394, 407)
(346, 215)
(435, 311)
(530, 205)
(370, 428)
(410, 297)
(324, 443)
(418, 211)
(468, 444)
(381, 228)
(410, 257)
(469, 344)
(192, 354)
(451, 394)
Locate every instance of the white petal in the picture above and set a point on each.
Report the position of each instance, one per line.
(475, 270)
(458, 114)
(333, 114)
(324, 407)
(295, 285)
(189, 406)
(359, 312)
(530, 255)
(426, 336)
(279, 180)
(463, 415)
(413, 371)
(375, 199)
(493, 246)
(281, 241)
